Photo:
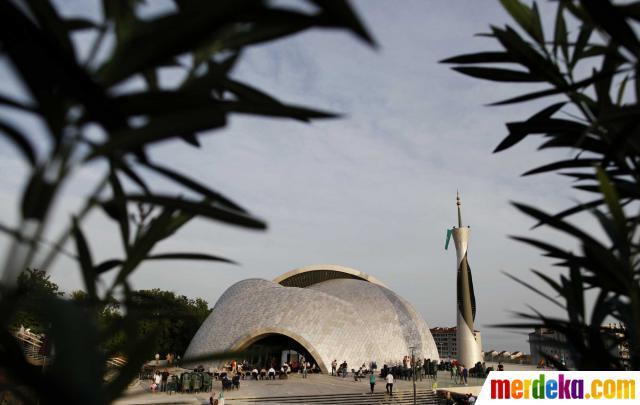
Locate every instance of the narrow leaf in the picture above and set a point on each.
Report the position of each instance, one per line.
(86, 262)
(498, 74)
(481, 57)
(202, 208)
(188, 256)
(20, 141)
(212, 195)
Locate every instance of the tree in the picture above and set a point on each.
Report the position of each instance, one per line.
(72, 93)
(35, 288)
(599, 122)
(174, 319)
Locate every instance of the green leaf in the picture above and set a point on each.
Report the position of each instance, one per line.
(550, 250)
(188, 256)
(20, 141)
(557, 224)
(37, 196)
(578, 208)
(498, 74)
(8, 102)
(613, 202)
(154, 232)
(50, 21)
(526, 17)
(621, 90)
(276, 110)
(191, 139)
(539, 65)
(535, 290)
(131, 174)
(557, 90)
(77, 24)
(581, 43)
(85, 260)
(161, 128)
(120, 208)
(631, 10)
(75, 338)
(514, 137)
(562, 164)
(201, 208)
(560, 34)
(107, 265)
(537, 25)
(342, 14)
(152, 42)
(613, 22)
(481, 57)
(549, 281)
(212, 195)
(51, 73)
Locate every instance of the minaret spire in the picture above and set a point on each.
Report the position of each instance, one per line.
(458, 203)
(468, 347)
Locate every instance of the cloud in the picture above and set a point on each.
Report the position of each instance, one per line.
(374, 190)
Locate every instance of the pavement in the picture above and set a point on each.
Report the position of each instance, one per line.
(295, 385)
(316, 384)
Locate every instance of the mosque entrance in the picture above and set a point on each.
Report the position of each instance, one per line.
(275, 349)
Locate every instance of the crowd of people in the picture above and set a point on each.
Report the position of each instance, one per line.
(231, 374)
(407, 368)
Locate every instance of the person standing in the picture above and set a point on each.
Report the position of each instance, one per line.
(334, 365)
(389, 385)
(372, 381)
(157, 380)
(304, 369)
(465, 374)
(164, 379)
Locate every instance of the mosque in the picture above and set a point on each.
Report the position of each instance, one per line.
(330, 312)
(322, 312)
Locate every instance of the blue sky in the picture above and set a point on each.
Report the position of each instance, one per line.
(374, 190)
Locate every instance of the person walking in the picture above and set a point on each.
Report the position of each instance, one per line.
(372, 381)
(389, 385)
(304, 370)
(334, 365)
(465, 374)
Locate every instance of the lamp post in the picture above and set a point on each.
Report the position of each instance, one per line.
(413, 366)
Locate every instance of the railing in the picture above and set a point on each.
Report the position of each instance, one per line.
(116, 362)
(31, 345)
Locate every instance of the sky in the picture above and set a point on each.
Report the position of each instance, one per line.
(374, 190)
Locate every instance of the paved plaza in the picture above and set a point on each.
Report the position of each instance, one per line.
(295, 385)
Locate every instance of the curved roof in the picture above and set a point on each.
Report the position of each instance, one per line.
(309, 275)
(341, 318)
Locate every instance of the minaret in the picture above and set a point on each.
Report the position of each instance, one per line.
(468, 347)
